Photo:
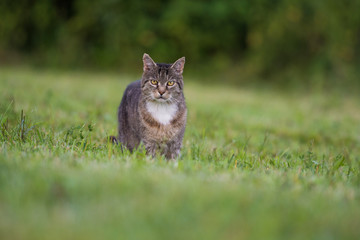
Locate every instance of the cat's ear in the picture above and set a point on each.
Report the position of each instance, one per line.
(148, 62)
(178, 66)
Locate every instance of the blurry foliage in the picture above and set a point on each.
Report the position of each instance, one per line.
(255, 38)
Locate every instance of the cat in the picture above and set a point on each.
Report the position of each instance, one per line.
(153, 110)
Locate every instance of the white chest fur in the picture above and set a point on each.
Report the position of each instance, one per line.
(162, 112)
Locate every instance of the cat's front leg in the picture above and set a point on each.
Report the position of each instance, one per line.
(150, 148)
(173, 150)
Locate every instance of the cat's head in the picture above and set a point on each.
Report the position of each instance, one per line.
(162, 82)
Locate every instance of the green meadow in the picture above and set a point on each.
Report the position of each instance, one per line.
(256, 163)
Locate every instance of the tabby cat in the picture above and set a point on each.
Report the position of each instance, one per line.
(153, 110)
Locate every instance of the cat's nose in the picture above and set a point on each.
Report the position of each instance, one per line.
(161, 91)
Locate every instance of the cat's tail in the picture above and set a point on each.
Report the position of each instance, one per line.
(113, 140)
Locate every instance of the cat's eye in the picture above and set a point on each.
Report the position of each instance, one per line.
(170, 83)
(154, 82)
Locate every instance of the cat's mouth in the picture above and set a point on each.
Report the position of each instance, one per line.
(161, 99)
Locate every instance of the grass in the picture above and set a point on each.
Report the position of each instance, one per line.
(259, 164)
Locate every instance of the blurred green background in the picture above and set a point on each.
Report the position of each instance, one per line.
(298, 42)
(275, 157)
